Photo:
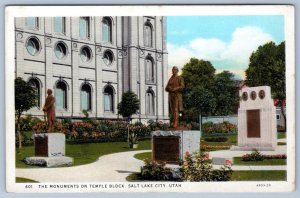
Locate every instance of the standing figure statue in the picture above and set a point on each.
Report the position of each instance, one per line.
(49, 110)
(175, 87)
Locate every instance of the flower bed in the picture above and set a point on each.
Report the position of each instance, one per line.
(225, 127)
(98, 130)
(214, 147)
(257, 156)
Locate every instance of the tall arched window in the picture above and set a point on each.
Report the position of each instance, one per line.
(149, 67)
(108, 99)
(86, 97)
(148, 36)
(150, 102)
(106, 29)
(61, 95)
(37, 87)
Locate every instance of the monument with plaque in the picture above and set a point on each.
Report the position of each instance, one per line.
(171, 146)
(256, 120)
(49, 147)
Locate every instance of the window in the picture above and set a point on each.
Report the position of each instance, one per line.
(32, 22)
(60, 50)
(108, 57)
(61, 95)
(59, 25)
(106, 30)
(148, 35)
(150, 102)
(108, 99)
(86, 97)
(85, 54)
(36, 85)
(33, 46)
(84, 27)
(149, 67)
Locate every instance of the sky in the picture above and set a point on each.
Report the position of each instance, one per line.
(226, 41)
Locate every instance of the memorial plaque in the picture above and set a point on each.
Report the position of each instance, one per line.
(166, 149)
(253, 123)
(41, 146)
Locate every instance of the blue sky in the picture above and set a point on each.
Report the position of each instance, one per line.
(225, 41)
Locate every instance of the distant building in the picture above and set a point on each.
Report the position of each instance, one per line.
(90, 61)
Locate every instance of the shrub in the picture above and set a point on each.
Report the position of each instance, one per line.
(197, 167)
(216, 139)
(155, 171)
(254, 156)
(225, 127)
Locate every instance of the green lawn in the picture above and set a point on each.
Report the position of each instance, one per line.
(24, 180)
(143, 156)
(258, 175)
(238, 161)
(83, 153)
(281, 135)
(237, 176)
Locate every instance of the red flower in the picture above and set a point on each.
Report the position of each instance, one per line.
(207, 155)
(228, 162)
(187, 153)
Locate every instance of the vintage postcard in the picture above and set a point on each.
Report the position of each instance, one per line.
(150, 98)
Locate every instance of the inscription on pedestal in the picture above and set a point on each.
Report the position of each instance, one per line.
(41, 146)
(166, 149)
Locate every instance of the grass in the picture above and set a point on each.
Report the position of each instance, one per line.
(143, 156)
(281, 135)
(24, 180)
(83, 153)
(238, 176)
(259, 175)
(238, 161)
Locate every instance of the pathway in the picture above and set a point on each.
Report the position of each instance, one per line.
(108, 168)
(116, 167)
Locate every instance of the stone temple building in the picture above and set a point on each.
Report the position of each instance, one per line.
(90, 61)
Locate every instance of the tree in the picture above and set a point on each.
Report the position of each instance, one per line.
(198, 94)
(25, 98)
(129, 105)
(267, 67)
(225, 93)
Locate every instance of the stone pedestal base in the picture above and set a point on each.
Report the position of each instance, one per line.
(49, 150)
(48, 161)
(171, 146)
(251, 148)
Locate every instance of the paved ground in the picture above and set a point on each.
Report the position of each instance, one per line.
(116, 167)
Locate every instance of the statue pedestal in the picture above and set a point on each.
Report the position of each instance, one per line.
(49, 150)
(171, 146)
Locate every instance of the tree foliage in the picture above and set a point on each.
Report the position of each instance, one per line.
(198, 93)
(25, 98)
(129, 105)
(226, 93)
(267, 67)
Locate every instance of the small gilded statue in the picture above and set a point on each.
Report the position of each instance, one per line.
(49, 110)
(175, 87)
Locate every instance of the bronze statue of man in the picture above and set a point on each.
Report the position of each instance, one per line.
(49, 110)
(175, 87)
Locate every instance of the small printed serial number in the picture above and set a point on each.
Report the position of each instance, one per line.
(28, 186)
(263, 185)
